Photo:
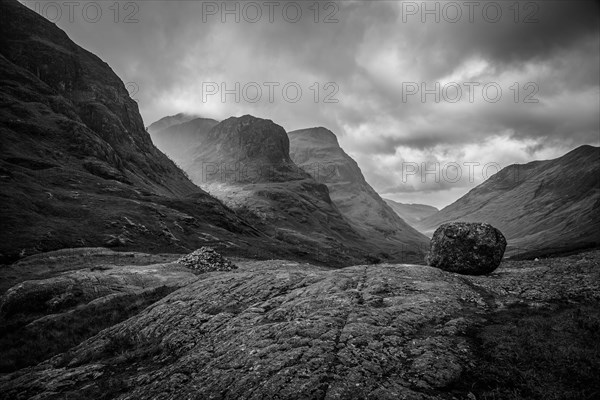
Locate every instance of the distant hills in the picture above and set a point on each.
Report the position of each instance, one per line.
(177, 135)
(542, 207)
(169, 121)
(411, 213)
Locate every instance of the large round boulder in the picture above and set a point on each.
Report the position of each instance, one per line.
(469, 248)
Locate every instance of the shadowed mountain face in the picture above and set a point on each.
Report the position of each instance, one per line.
(317, 152)
(245, 149)
(179, 134)
(541, 207)
(245, 163)
(411, 213)
(77, 167)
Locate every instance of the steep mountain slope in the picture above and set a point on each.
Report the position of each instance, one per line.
(317, 152)
(77, 167)
(541, 207)
(411, 213)
(179, 134)
(245, 162)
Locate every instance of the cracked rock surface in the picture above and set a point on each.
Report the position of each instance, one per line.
(279, 330)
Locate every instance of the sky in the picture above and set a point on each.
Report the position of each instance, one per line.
(429, 98)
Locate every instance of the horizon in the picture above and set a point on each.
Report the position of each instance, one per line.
(388, 91)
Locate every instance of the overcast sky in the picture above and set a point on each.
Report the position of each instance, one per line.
(373, 58)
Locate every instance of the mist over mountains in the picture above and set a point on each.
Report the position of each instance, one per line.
(256, 168)
(536, 204)
(412, 213)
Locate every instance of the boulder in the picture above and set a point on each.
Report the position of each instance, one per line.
(468, 248)
(206, 259)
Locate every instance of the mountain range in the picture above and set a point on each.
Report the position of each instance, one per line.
(246, 162)
(78, 168)
(241, 160)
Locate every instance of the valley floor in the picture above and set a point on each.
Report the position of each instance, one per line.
(131, 325)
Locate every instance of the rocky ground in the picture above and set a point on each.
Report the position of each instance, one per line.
(206, 259)
(281, 329)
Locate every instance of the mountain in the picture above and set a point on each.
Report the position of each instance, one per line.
(178, 134)
(77, 167)
(541, 207)
(318, 152)
(411, 213)
(168, 121)
(245, 162)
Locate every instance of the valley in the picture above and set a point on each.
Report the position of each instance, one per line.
(217, 256)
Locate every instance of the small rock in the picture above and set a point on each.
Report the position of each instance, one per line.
(469, 248)
(206, 259)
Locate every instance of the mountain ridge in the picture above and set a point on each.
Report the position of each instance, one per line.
(245, 162)
(542, 206)
(318, 152)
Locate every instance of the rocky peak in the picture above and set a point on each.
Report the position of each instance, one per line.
(316, 151)
(170, 120)
(251, 139)
(320, 135)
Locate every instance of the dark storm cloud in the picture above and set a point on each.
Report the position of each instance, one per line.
(559, 25)
(369, 53)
